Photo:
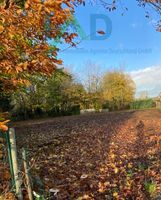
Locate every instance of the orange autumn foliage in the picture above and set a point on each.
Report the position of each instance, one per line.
(24, 35)
(3, 125)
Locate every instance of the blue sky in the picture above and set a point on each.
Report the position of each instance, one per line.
(134, 45)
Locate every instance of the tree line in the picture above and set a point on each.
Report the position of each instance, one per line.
(60, 94)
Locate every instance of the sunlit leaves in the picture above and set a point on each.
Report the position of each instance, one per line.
(1, 29)
(24, 34)
(118, 89)
(3, 123)
(25, 28)
(82, 154)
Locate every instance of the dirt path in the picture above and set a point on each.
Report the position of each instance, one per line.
(102, 156)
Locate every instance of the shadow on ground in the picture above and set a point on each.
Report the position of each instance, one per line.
(102, 156)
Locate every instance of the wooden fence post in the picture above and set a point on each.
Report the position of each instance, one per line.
(17, 178)
(28, 183)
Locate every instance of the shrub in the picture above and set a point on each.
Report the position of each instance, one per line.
(141, 104)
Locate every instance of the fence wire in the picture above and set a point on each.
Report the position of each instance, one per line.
(7, 179)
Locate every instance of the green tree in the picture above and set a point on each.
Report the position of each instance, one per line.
(56, 95)
(28, 100)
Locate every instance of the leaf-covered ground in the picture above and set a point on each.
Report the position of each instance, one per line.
(99, 156)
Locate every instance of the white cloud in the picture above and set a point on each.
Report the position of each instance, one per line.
(148, 79)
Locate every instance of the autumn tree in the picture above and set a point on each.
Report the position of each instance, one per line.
(24, 35)
(91, 80)
(118, 89)
(91, 77)
(25, 30)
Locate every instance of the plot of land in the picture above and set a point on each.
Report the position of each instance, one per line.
(98, 156)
